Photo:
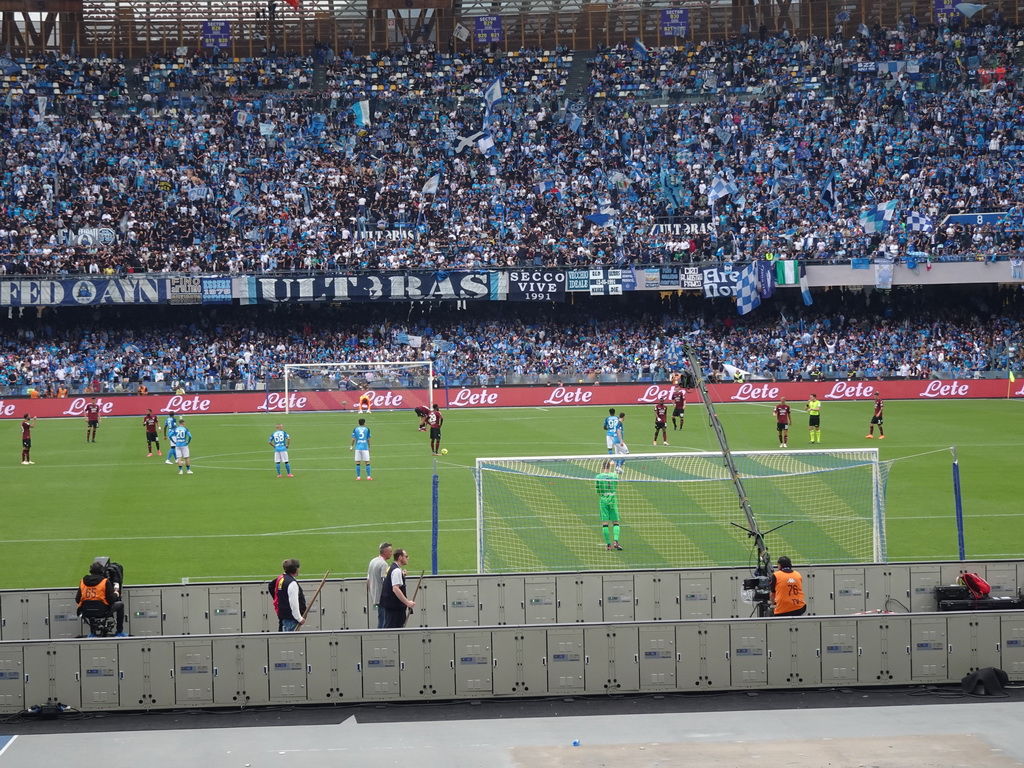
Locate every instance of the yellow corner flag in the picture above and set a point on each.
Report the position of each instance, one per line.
(1012, 377)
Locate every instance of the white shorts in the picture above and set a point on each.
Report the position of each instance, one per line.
(181, 451)
(610, 441)
(280, 456)
(621, 449)
(362, 456)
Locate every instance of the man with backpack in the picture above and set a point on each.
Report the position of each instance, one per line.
(289, 600)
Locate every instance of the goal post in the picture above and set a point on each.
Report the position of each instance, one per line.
(680, 510)
(339, 386)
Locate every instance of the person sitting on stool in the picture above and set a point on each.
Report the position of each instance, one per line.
(787, 590)
(98, 589)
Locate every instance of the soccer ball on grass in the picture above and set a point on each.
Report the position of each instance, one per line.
(444, 451)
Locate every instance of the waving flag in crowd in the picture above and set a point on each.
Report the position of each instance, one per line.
(748, 297)
(918, 222)
(878, 218)
(361, 109)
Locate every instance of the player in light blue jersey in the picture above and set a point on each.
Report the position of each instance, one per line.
(169, 424)
(181, 438)
(611, 429)
(281, 440)
(361, 445)
(621, 449)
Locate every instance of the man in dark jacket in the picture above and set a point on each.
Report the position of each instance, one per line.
(98, 595)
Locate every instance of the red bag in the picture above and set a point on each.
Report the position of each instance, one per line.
(976, 585)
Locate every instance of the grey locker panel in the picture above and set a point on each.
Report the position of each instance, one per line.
(619, 598)
(286, 663)
(579, 598)
(839, 652)
(928, 649)
(193, 672)
(611, 658)
(502, 600)
(702, 656)
(428, 663)
(463, 603)
(240, 671)
(334, 667)
(186, 610)
(63, 617)
(99, 675)
(883, 646)
(314, 617)
(1002, 577)
(143, 612)
(657, 595)
(257, 608)
(725, 594)
(794, 653)
(973, 642)
(473, 662)
(430, 601)
(518, 667)
(923, 581)
(850, 591)
(53, 673)
(12, 682)
(565, 661)
(950, 572)
(331, 605)
(540, 601)
(656, 657)
(147, 673)
(1012, 646)
(695, 598)
(886, 589)
(353, 603)
(25, 615)
(819, 590)
(225, 610)
(379, 666)
(748, 654)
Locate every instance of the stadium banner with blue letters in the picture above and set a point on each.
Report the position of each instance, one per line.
(410, 286)
(536, 285)
(577, 280)
(488, 29)
(84, 292)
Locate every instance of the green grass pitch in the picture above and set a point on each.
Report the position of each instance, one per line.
(235, 520)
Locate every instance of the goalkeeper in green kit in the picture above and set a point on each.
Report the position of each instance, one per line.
(607, 487)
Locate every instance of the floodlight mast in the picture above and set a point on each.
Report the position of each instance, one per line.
(764, 561)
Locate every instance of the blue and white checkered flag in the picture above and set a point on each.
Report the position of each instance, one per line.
(747, 295)
(878, 218)
(918, 222)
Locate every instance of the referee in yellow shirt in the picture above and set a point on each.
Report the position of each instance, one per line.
(814, 420)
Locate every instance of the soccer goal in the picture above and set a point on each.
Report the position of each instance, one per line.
(678, 510)
(339, 386)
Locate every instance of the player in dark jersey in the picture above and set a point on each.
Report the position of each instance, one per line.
(92, 419)
(149, 421)
(423, 412)
(876, 418)
(26, 438)
(661, 422)
(782, 416)
(678, 409)
(434, 420)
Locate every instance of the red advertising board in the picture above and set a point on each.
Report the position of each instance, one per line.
(477, 397)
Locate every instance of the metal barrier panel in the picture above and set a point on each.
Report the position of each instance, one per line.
(928, 653)
(973, 642)
(473, 663)
(186, 610)
(702, 661)
(428, 664)
(1002, 579)
(884, 648)
(819, 590)
(63, 618)
(380, 672)
(143, 612)
(619, 600)
(502, 600)
(225, 610)
(334, 667)
(431, 608)
(518, 668)
(565, 661)
(53, 673)
(611, 658)
(579, 598)
(1011, 641)
(12, 677)
(257, 609)
(25, 616)
(541, 602)
(240, 671)
(849, 591)
(656, 657)
(725, 595)
(748, 654)
(193, 673)
(923, 581)
(839, 652)
(99, 675)
(794, 653)
(146, 675)
(462, 603)
(286, 667)
(657, 596)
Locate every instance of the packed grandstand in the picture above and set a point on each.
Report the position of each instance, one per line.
(779, 145)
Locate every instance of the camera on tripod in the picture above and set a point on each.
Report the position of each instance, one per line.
(757, 590)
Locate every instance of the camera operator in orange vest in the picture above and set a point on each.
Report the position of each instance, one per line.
(97, 587)
(787, 590)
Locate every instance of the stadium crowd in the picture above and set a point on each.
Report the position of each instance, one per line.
(218, 165)
(845, 335)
